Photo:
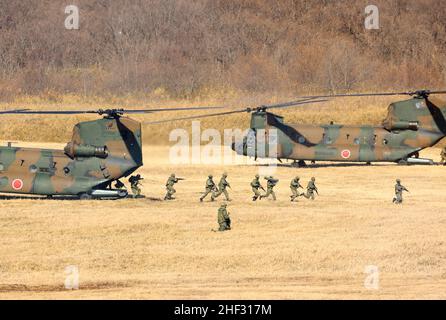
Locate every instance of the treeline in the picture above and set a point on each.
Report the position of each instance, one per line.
(189, 48)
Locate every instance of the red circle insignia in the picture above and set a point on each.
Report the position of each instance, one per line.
(345, 154)
(17, 184)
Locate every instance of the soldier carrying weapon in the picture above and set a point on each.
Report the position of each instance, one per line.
(294, 185)
(119, 184)
(255, 185)
(270, 184)
(224, 221)
(311, 189)
(210, 187)
(222, 185)
(399, 188)
(169, 186)
(443, 156)
(134, 184)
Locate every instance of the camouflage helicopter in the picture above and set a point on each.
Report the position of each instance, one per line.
(100, 152)
(410, 126)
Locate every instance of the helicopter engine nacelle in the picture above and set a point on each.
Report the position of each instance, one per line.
(401, 125)
(85, 151)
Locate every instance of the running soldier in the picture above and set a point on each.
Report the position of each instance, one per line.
(222, 185)
(255, 185)
(209, 188)
(270, 184)
(294, 185)
(311, 189)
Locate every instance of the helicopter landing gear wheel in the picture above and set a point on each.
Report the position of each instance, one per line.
(85, 196)
(299, 164)
(403, 162)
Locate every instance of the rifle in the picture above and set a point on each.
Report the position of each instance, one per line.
(262, 188)
(181, 179)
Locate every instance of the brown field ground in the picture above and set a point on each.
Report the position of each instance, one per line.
(150, 249)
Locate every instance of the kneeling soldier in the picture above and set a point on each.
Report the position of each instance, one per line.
(169, 186)
(399, 188)
(224, 221)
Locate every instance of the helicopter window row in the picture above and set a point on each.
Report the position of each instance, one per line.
(365, 140)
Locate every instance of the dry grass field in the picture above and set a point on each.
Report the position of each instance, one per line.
(151, 249)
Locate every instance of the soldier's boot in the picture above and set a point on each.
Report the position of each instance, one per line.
(201, 199)
(254, 198)
(167, 196)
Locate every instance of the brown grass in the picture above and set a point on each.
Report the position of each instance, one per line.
(152, 249)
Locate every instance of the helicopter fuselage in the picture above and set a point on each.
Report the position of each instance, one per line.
(52, 172)
(350, 143)
(410, 126)
(100, 152)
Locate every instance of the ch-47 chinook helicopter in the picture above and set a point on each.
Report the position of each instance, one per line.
(410, 126)
(100, 152)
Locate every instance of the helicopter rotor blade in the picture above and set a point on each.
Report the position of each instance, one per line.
(170, 109)
(12, 111)
(421, 93)
(293, 103)
(264, 107)
(106, 111)
(197, 116)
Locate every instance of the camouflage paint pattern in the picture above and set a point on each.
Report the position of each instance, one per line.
(409, 127)
(100, 151)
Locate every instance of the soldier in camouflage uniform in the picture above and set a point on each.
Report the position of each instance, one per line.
(399, 188)
(119, 185)
(224, 221)
(311, 189)
(134, 185)
(222, 185)
(443, 156)
(255, 185)
(209, 188)
(169, 187)
(294, 185)
(270, 184)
